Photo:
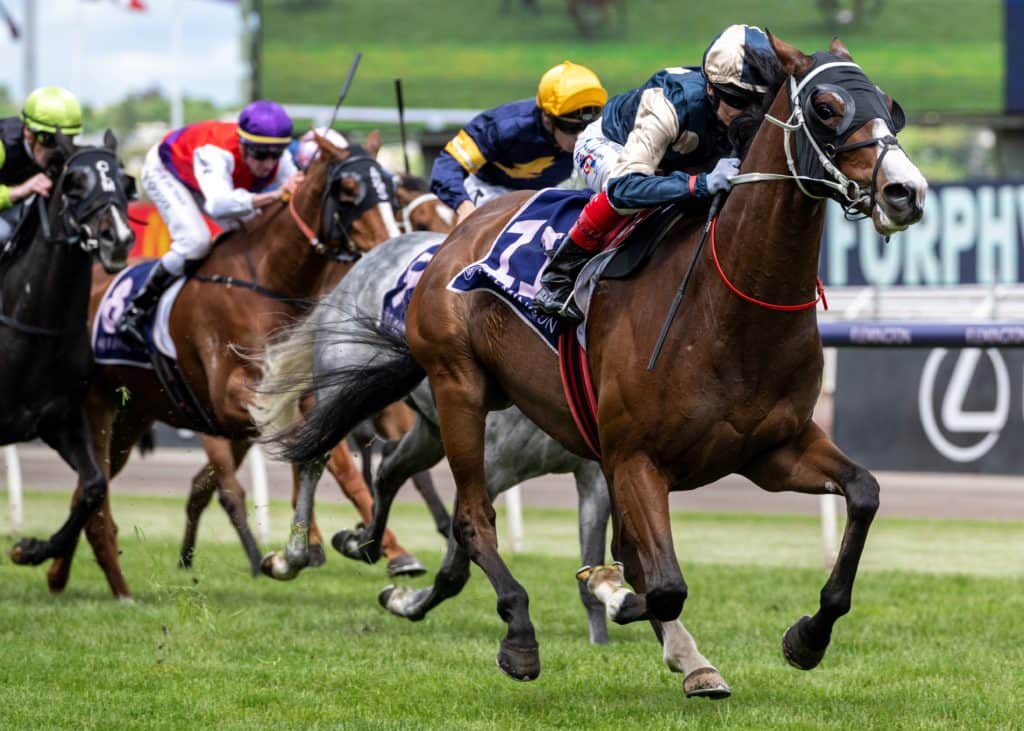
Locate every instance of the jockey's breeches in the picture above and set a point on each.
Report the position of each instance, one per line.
(190, 235)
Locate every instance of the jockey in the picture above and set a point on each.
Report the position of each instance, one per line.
(675, 121)
(522, 145)
(27, 145)
(228, 171)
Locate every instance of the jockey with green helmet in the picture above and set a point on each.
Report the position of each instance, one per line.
(28, 144)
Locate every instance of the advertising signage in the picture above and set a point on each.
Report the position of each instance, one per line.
(971, 233)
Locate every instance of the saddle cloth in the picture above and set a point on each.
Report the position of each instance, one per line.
(110, 347)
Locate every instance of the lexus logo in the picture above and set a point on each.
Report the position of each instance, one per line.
(953, 417)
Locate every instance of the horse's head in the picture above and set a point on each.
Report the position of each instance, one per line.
(356, 212)
(845, 130)
(420, 209)
(90, 200)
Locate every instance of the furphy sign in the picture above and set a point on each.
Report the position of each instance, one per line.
(932, 410)
(971, 233)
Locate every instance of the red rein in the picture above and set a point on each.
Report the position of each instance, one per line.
(754, 301)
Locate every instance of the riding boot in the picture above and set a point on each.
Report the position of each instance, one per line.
(587, 236)
(132, 323)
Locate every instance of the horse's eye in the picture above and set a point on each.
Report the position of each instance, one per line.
(824, 111)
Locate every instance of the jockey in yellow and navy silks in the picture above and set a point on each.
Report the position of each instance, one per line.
(636, 154)
(522, 145)
(27, 145)
(230, 170)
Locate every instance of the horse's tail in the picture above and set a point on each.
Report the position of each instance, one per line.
(379, 372)
(287, 374)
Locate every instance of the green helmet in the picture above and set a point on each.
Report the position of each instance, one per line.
(52, 109)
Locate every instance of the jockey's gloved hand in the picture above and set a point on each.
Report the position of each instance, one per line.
(720, 178)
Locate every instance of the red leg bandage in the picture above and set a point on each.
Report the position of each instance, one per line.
(596, 220)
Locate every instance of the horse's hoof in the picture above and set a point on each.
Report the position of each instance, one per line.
(274, 566)
(29, 552)
(706, 683)
(398, 599)
(519, 663)
(406, 565)
(351, 544)
(317, 557)
(796, 650)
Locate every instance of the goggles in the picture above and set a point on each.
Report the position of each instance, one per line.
(736, 101)
(263, 152)
(577, 121)
(46, 139)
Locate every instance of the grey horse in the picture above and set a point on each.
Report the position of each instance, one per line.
(331, 349)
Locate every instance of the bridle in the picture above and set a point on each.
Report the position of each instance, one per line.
(848, 193)
(411, 206)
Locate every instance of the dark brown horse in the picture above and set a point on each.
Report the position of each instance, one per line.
(735, 385)
(274, 266)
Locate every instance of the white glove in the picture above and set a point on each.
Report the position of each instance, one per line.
(719, 178)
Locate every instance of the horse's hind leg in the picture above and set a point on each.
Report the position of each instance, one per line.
(414, 604)
(204, 484)
(420, 449)
(351, 482)
(594, 509)
(811, 463)
(460, 390)
(285, 565)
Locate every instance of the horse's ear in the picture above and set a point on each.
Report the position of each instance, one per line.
(372, 144)
(327, 150)
(836, 48)
(793, 60)
(110, 141)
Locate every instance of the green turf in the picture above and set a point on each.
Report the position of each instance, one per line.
(923, 647)
(939, 55)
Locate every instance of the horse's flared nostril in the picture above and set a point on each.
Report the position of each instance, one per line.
(900, 196)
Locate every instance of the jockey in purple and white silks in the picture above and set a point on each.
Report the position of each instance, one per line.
(635, 154)
(227, 170)
(521, 145)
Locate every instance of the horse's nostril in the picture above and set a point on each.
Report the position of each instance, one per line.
(899, 195)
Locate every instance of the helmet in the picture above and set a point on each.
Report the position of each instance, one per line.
(571, 91)
(265, 124)
(52, 109)
(307, 149)
(727, 62)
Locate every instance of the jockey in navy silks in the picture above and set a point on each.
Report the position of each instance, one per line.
(522, 145)
(227, 170)
(634, 155)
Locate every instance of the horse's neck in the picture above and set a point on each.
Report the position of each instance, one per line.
(48, 286)
(284, 258)
(768, 235)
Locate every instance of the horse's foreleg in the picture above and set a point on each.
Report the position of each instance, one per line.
(297, 554)
(811, 463)
(459, 388)
(418, 450)
(225, 457)
(594, 509)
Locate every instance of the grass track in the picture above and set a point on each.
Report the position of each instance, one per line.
(215, 649)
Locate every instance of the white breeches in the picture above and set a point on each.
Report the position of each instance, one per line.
(594, 156)
(481, 192)
(190, 236)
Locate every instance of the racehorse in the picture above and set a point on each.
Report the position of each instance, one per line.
(44, 274)
(254, 281)
(737, 379)
(418, 210)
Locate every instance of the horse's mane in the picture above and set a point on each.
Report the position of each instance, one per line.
(414, 182)
(742, 130)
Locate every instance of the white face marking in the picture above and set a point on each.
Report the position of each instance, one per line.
(388, 214)
(896, 168)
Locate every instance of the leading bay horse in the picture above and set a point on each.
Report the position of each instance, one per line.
(46, 362)
(736, 383)
(256, 280)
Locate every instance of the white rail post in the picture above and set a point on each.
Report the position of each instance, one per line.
(14, 486)
(514, 504)
(827, 503)
(260, 493)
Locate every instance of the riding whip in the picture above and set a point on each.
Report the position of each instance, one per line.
(401, 122)
(716, 204)
(345, 86)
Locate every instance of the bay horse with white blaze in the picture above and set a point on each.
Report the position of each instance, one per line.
(734, 389)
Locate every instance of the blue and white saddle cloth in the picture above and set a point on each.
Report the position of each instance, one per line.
(107, 345)
(512, 268)
(396, 300)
